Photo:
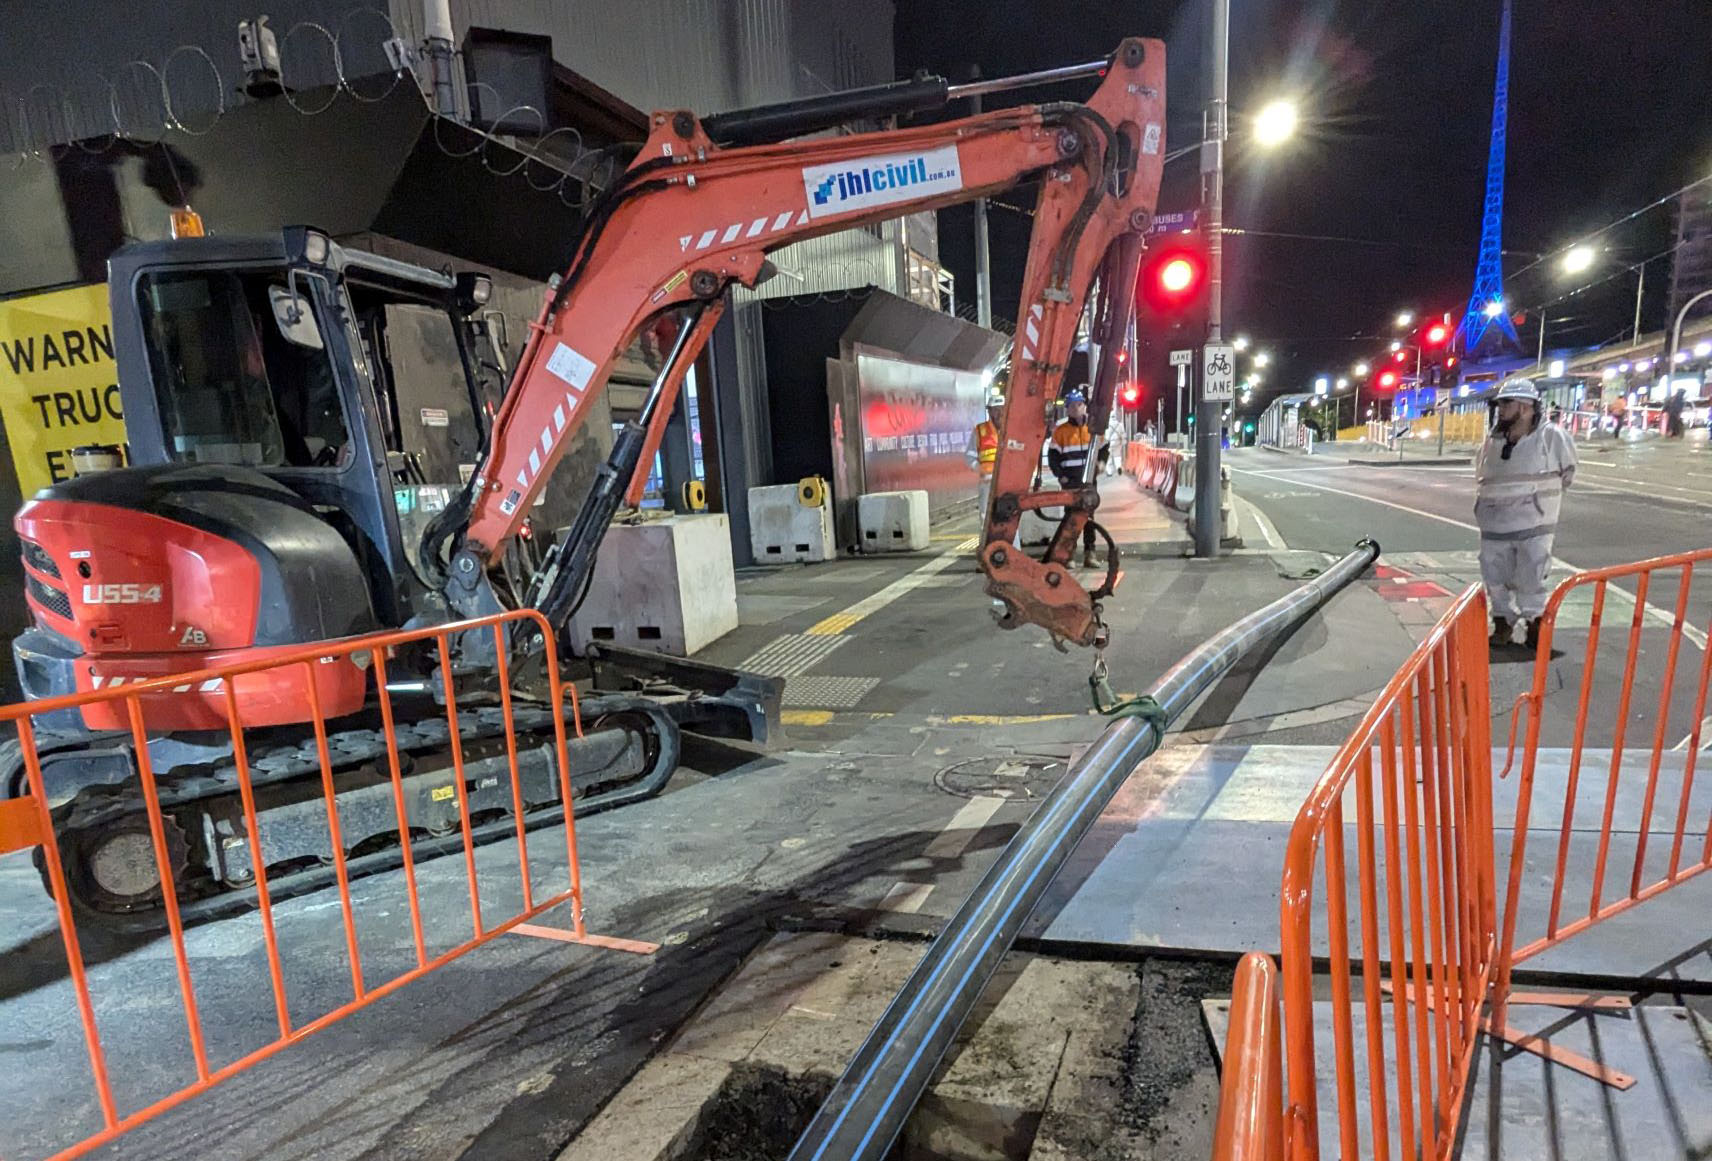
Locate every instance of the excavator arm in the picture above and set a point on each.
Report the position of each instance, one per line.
(689, 218)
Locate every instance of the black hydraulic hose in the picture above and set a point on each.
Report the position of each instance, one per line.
(868, 1107)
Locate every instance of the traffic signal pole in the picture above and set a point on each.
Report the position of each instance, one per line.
(1208, 414)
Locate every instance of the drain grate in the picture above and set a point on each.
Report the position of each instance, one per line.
(1014, 776)
(827, 692)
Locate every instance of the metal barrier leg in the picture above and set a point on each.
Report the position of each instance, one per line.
(578, 933)
(1557, 1054)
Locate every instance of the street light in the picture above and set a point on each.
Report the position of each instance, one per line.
(1396, 345)
(1493, 309)
(1405, 318)
(1362, 368)
(1275, 123)
(1241, 343)
(1322, 385)
(1261, 358)
(1342, 383)
(1577, 259)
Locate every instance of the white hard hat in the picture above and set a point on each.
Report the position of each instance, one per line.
(1518, 389)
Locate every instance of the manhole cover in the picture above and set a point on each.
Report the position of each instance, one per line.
(1012, 776)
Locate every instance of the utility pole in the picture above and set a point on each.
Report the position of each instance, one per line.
(983, 263)
(1208, 421)
(440, 37)
(1640, 285)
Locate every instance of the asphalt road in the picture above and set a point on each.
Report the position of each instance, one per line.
(1627, 505)
(1613, 515)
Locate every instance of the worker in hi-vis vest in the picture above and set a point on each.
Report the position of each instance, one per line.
(983, 450)
(1067, 455)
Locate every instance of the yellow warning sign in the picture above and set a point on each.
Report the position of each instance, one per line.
(59, 383)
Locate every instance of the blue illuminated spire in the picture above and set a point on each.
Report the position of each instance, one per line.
(1489, 271)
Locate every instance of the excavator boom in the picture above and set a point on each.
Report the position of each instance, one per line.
(689, 218)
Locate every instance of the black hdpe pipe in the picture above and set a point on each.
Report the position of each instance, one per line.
(868, 1107)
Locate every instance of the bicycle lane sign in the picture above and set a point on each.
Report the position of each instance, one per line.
(1218, 372)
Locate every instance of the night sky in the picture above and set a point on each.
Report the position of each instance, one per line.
(1610, 108)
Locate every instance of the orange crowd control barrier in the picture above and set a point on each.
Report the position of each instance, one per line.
(1411, 913)
(1418, 965)
(1251, 1094)
(1690, 850)
(26, 825)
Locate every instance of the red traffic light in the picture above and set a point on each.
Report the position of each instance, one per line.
(1177, 275)
(1388, 379)
(1173, 278)
(1130, 396)
(1436, 334)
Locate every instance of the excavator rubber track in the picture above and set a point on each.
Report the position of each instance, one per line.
(628, 751)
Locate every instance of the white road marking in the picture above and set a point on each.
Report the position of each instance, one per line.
(1697, 636)
(1328, 468)
(957, 834)
(953, 839)
(906, 898)
(1705, 732)
(841, 621)
(1267, 531)
(1649, 491)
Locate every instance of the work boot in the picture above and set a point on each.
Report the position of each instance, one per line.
(1534, 633)
(1502, 633)
(1089, 560)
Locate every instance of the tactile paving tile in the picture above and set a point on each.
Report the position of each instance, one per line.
(826, 692)
(791, 654)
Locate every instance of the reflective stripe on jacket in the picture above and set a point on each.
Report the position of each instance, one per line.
(983, 449)
(1068, 455)
(1521, 497)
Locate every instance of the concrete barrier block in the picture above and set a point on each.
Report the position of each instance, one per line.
(893, 521)
(784, 530)
(667, 586)
(1034, 529)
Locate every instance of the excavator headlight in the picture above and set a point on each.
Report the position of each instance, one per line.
(315, 247)
(473, 291)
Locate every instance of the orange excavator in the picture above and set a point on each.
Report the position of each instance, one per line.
(268, 498)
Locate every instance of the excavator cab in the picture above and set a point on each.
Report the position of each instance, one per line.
(310, 364)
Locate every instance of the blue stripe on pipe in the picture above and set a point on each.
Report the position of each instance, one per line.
(885, 1046)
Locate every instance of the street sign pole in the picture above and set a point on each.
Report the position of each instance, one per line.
(1182, 382)
(1181, 360)
(1207, 475)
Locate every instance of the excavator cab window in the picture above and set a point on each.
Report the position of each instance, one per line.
(234, 388)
